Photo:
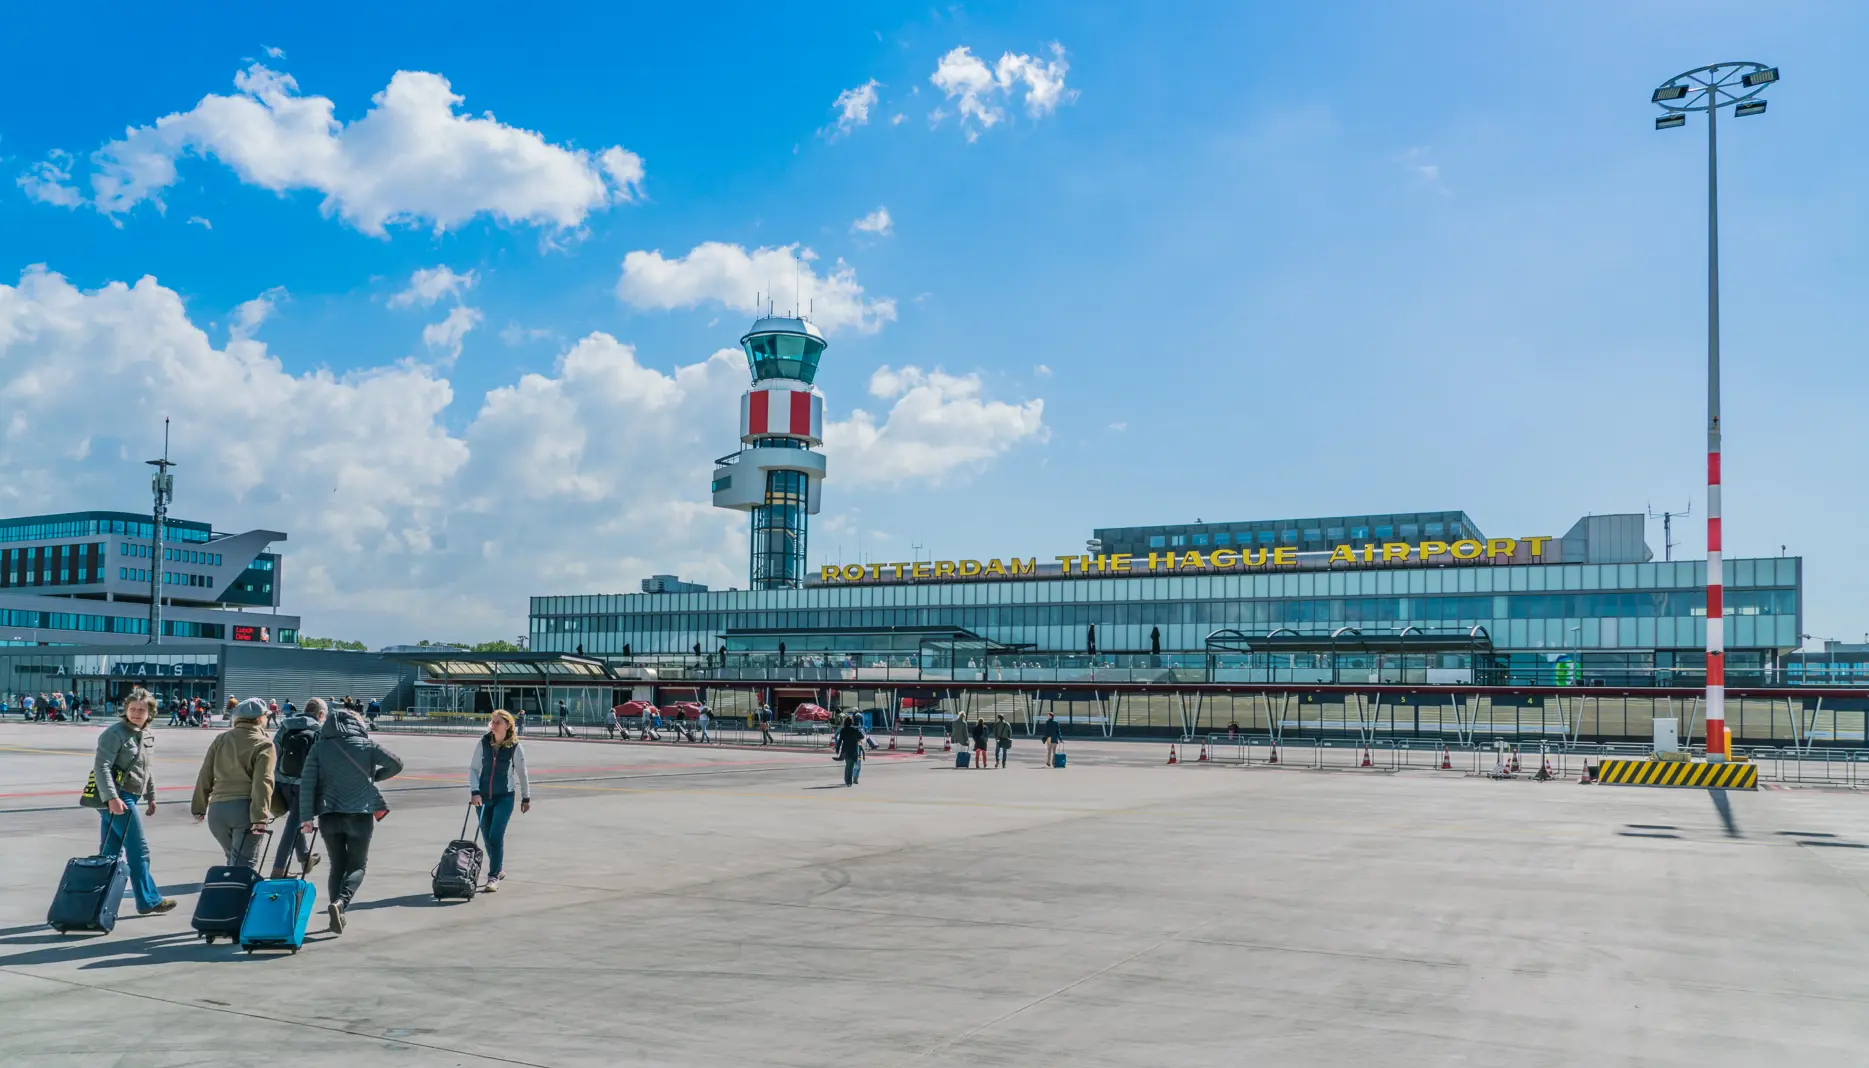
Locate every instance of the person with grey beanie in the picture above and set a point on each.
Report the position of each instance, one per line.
(234, 789)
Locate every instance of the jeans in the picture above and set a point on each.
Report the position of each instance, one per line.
(494, 814)
(232, 823)
(292, 841)
(853, 768)
(1000, 753)
(126, 831)
(563, 731)
(347, 837)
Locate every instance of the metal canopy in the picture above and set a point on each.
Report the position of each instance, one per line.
(1351, 640)
(506, 668)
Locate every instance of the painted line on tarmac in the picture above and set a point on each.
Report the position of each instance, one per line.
(231, 1011)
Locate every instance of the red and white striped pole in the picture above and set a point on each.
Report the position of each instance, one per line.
(1716, 606)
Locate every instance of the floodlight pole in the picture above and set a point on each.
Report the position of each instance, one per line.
(1709, 89)
(162, 487)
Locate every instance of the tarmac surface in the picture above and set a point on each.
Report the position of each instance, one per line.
(688, 905)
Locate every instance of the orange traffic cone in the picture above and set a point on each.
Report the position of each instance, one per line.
(1203, 757)
(920, 747)
(1447, 760)
(1366, 761)
(1515, 762)
(1274, 757)
(1172, 758)
(947, 745)
(892, 743)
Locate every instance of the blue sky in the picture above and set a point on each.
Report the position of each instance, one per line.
(1248, 261)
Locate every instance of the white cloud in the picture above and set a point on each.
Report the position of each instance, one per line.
(411, 159)
(981, 93)
(586, 478)
(430, 284)
(275, 53)
(49, 181)
(248, 315)
(201, 221)
(853, 108)
(897, 119)
(876, 222)
(515, 335)
(447, 335)
(1042, 370)
(731, 276)
(1119, 427)
(938, 428)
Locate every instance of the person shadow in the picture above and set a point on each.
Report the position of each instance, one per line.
(416, 901)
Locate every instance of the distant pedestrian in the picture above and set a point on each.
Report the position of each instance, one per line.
(178, 714)
(337, 788)
(564, 716)
(496, 775)
(1233, 731)
(272, 713)
(765, 725)
(611, 723)
(850, 749)
(373, 710)
(979, 742)
(291, 745)
(957, 731)
(125, 774)
(703, 718)
(1002, 740)
(1054, 736)
(234, 789)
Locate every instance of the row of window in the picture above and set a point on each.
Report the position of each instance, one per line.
(80, 621)
(51, 565)
(1252, 616)
(1523, 578)
(61, 577)
(169, 578)
(47, 530)
(1290, 535)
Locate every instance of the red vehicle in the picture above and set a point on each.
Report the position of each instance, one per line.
(809, 713)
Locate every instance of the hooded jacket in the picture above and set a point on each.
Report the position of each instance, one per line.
(123, 757)
(237, 767)
(343, 768)
(295, 722)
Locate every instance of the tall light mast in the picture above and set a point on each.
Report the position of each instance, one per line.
(162, 486)
(777, 473)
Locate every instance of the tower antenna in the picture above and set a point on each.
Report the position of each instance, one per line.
(162, 487)
(1667, 527)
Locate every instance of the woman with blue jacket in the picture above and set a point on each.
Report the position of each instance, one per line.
(497, 775)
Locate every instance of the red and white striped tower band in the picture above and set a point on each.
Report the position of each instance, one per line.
(1708, 89)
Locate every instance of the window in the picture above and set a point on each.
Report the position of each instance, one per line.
(1435, 530)
(1359, 533)
(1313, 534)
(1334, 533)
(1200, 539)
(1222, 538)
(1385, 532)
(1178, 540)
(1290, 537)
(1267, 537)
(123, 573)
(1157, 541)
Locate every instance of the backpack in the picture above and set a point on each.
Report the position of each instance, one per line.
(294, 748)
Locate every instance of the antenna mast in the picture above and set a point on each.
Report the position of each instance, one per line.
(1667, 527)
(162, 487)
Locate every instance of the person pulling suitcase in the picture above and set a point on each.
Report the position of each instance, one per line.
(122, 776)
(337, 788)
(496, 777)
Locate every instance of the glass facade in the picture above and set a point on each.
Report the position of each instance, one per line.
(1307, 535)
(784, 355)
(778, 546)
(87, 524)
(1634, 607)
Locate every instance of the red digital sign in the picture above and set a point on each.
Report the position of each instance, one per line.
(252, 634)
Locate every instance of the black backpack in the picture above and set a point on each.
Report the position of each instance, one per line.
(293, 749)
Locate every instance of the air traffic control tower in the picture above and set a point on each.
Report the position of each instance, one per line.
(777, 473)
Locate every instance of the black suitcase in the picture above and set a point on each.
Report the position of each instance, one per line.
(457, 877)
(90, 892)
(226, 890)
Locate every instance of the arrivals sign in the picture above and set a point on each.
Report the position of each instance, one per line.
(1191, 561)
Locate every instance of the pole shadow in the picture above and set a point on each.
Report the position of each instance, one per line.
(1725, 808)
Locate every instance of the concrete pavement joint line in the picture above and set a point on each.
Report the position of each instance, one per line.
(1066, 988)
(230, 1011)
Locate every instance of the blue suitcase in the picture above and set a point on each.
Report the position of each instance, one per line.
(962, 757)
(1057, 760)
(278, 914)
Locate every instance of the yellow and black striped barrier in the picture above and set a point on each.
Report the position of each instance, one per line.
(1728, 776)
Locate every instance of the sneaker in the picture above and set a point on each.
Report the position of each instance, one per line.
(167, 904)
(336, 912)
(493, 884)
(311, 865)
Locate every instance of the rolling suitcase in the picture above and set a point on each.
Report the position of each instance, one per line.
(90, 892)
(1057, 759)
(962, 758)
(226, 890)
(279, 911)
(457, 877)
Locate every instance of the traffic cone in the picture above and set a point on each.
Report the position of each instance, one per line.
(892, 743)
(1447, 760)
(920, 748)
(947, 745)
(1172, 758)
(1203, 757)
(1274, 757)
(1366, 761)
(1515, 762)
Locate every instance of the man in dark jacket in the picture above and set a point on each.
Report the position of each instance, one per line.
(1053, 735)
(1002, 740)
(850, 749)
(337, 787)
(292, 743)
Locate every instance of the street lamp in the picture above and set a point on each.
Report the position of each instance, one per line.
(1708, 89)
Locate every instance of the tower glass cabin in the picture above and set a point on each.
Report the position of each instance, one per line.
(776, 475)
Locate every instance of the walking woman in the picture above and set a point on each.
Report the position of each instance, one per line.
(850, 749)
(497, 775)
(125, 774)
(979, 742)
(234, 789)
(337, 788)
